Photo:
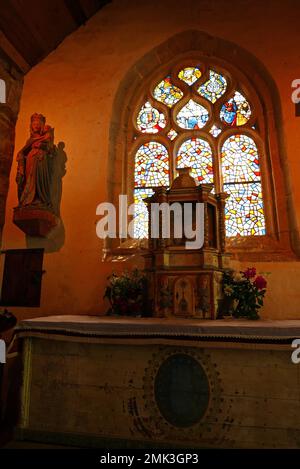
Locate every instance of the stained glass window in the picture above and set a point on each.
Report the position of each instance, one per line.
(196, 154)
(214, 87)
(244, 212)
(192, 116)
(167, 93)
(240, 159)
(141, 213)
(151, 165)
(172, 134)
(241, 177)
(236, 111)
(215, 131)
(239, 171)
(150, 120)
(189, 75)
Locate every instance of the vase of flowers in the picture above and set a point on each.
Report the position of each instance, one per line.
(127, 294)
(244, 292)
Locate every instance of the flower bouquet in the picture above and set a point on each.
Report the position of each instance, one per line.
(245, 291)
(127, 294)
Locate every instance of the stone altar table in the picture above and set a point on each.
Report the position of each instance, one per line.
(130, 382)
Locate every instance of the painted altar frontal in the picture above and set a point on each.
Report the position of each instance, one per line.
(91, 381)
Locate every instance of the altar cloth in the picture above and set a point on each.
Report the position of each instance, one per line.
(103, 326)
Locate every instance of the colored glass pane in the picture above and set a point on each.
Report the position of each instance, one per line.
(244, 212)
(239, 158)
(167, 93)
(189, 75)
(151, 165)
(141, 213)
(214, 87)
(172, 134)
(196, 154)
(192, 116)
(150, 120)
(236, 111)
(215, 131)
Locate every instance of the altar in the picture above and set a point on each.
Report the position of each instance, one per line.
(93, 381)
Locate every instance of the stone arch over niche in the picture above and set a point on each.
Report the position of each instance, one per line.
(285, 238)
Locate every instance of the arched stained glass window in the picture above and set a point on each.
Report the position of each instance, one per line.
(151, 170)
(150, 120)
(241, 177)
(167, 93)
(200, 116)
(189, 75)
(151, 165)
(214, 87)
(236, 111)
(239, 157)
(196, 154)
(192, 116)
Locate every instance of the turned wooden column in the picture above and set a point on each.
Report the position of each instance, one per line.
(222, 196)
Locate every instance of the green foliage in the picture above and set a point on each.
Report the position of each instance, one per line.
(127, 294)
(247, 290)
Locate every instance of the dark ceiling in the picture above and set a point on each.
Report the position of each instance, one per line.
(31, 29)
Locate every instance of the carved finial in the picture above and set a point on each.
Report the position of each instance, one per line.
(184, 179)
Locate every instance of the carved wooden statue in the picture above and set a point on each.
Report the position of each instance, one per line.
(34, 214)
(34, 166)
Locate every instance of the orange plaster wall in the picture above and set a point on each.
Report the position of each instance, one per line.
(74, 88)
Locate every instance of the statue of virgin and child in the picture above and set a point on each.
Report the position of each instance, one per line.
(35, 165)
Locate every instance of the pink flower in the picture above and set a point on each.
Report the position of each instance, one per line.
(250, 272)
(260, 282)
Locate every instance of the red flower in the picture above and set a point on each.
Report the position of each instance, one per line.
(250, 272)
(260, 282)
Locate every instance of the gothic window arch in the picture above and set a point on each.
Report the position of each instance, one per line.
(201, 114)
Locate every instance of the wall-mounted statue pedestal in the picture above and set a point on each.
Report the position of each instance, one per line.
(34, 221)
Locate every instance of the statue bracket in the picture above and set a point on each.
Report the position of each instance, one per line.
(34, 221)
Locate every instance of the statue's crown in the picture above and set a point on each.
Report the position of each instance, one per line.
(40, 117)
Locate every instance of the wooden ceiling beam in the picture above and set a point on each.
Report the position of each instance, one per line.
(13, 54)
(30, 31)
(17, 32)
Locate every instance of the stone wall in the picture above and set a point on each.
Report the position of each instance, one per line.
(8, 117)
